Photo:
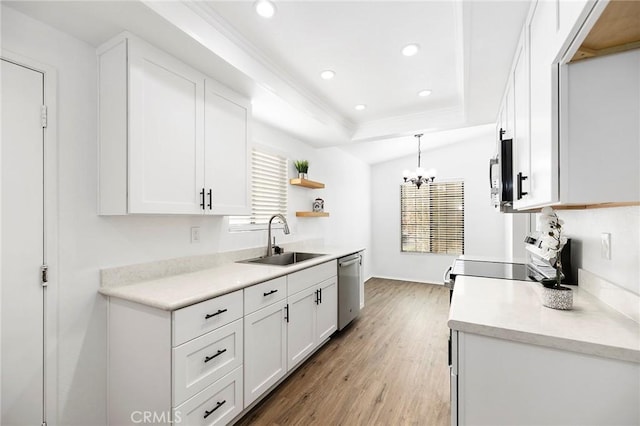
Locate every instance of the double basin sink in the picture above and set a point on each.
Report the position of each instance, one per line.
(284, 259)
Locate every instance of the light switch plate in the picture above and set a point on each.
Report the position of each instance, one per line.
(605, 245)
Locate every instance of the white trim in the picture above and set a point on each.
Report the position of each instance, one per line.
(51, 230)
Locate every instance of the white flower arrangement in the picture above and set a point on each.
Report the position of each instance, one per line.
(552, 240)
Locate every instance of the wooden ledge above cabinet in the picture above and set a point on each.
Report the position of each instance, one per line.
(312, 214)
(306, 183)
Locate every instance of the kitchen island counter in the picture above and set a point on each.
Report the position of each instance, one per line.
(513, 310)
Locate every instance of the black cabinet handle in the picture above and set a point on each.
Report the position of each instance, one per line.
(286, 314)
(320, 291)
(210, 199)
(218, 405)
(317, 297)
(202, 199)
(521, 177)
(220, 352)
(270, 292)
(220, 311)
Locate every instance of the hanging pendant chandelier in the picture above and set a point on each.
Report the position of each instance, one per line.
(420, 175)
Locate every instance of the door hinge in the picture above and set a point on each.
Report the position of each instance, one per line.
(43, 115)
(44, 275)
(44, 423)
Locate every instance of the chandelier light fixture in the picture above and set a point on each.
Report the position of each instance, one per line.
(420, 175)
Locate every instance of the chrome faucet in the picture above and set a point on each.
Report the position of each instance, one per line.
(286, 231)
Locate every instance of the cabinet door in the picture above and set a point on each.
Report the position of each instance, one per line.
(166, 133)
(543, 179)
(265, 350)
(327, 312)
(227, 118)
(520, 78)
(301, 326)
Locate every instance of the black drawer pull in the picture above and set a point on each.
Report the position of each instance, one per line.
(270, 292)
(202, 199)
(220, 311)
(218, 405)
(209, 358)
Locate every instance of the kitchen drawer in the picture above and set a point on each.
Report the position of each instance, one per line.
(201, 318)
(300, 280)
(264, 294)
(216, 405)
(201, 361)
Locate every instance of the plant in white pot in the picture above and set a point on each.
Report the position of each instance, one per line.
(554, 295)
(302, 166)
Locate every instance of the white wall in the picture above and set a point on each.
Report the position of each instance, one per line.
(88, 242)
(584, 227)
(484, 227)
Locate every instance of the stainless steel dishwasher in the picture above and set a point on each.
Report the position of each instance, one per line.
(349, 277)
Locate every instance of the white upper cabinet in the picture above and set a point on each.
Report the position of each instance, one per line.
(226, 136)
(574, 124)
(166, 133)
(171, 140)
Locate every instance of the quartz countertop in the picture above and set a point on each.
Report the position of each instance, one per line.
(513, 310)
(177, 291)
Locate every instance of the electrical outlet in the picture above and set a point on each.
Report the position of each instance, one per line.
(605, 245)
(195, 234)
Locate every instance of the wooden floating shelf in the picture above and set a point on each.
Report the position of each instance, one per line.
(312, 214)
(306, 183)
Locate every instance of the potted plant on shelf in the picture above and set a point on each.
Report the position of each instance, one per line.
(302, 166)
(554, 295)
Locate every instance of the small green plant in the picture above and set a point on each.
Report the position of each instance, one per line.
(302, 166)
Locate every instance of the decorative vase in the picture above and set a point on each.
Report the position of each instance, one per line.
(302, 175)
(557, 297)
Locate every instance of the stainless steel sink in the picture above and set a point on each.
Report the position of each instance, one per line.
(283, 259)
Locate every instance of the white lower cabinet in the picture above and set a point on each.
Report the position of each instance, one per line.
(313, 317)
(265, 357)
(217, 405)
(205, 364)
(504, 382)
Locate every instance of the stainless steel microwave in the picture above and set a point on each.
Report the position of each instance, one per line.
(501, 176)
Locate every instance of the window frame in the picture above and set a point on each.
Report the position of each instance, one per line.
(249, 227)
(431, 224)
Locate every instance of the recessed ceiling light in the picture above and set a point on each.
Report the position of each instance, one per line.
(360, 107)
(424, 93)
(410, 49)
(327, 74)
(265, 8)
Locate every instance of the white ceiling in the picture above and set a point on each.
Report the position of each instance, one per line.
(465, 55)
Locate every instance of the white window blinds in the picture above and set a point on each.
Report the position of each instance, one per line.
(432, 218)
(268, 190)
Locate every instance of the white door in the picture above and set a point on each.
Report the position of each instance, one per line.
(226, 138)
(166, 131)
(265, 350)
(301, 326)
(22, 230)
(327, 318)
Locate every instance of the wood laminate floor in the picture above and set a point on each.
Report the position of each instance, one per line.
(389, 367)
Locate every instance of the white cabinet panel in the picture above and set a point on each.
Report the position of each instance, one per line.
(327, 316)
(202, 361)
(264, 294)
(301, 326)
(216, 405)
(166, 131)
(521, 146)
(265, 357)
(543, 179)
(195, 320)
(300, 280)
(227, 118)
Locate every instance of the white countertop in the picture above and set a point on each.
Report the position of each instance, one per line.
(177, 291)
(513, 310)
